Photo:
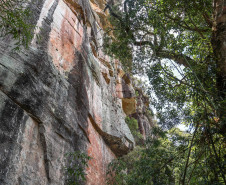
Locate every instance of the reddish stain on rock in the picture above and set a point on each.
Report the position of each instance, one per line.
(65, 38)
(101, 156)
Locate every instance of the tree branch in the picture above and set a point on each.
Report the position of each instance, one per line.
(208, 20)
(181, 81)
(189, 152)
(178, 58)
(112, 13)
(185, 25)
(216, 156)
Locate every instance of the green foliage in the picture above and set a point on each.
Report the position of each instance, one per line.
(134, 128)
(149, 113)
(137, 93)
(14, 22)
(117, 172)
(177, 31)
(75, 172)
(132, 123)
(119, 50)
(118, 46)
(162, 161)
(170, 40)
(145, 165)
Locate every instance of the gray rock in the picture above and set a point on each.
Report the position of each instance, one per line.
(55, 100)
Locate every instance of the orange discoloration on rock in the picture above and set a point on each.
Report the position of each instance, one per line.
(129, 105)
(93, 49)
(119, 91)
(96, 8)
(106, 77)
(98, 120)
(101, 156)
(100, 15)
(66, 40)
(99, 3)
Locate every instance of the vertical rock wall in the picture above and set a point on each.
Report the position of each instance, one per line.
(143, 113)
(60, 95)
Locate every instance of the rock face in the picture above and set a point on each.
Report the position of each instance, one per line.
(143, 114)
(60, 95)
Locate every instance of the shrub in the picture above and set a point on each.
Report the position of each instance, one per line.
(75, 171)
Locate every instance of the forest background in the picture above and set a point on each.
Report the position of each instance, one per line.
(159, 37)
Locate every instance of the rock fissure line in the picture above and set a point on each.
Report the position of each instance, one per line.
(72, 25)
(45, 152)
(22, 107)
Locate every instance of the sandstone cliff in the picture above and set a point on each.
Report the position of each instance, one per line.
(60, 95)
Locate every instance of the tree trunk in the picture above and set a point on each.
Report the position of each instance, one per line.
(219, 49)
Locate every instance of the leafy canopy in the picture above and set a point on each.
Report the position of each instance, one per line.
(171, 41)
(163, 162)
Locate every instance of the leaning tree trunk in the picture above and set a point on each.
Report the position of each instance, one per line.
(219, 48)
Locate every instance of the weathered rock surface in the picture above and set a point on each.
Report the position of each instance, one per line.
(61, 95)
(143, 113)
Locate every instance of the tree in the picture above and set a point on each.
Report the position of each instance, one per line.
(77, 162)
(175, 30)
(164, 36)
(163, 161)
(14, 21)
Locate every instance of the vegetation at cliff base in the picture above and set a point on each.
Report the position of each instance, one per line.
(75, 170)
(134, 128)
(179, 45)
(163, 161)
